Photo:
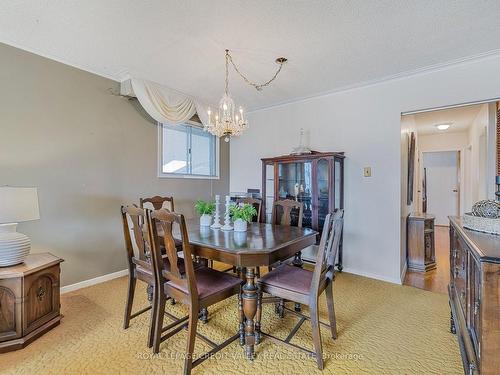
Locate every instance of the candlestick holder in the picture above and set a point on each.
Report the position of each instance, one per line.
(216, 224)
(227, 219)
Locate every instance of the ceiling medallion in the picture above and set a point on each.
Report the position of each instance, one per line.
(227, 121)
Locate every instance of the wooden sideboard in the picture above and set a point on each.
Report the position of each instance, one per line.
(474, 293)
(29, 300)
(421, 244)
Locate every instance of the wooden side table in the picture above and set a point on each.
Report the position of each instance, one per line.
(29, 300)
(420, 242)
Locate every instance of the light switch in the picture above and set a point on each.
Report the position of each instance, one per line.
(367, 171)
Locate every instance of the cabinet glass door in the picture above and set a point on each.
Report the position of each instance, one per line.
(295, 182)
(338, 184)
(323, 181)
(269, 198)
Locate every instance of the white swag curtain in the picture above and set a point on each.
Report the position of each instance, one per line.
(163, 104)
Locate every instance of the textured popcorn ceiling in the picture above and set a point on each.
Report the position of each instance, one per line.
(330, 44)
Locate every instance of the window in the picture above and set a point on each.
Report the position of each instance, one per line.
(188, 151)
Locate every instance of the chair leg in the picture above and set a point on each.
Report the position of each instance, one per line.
(241, 320)
(130, 300)
(158, 324)
(193, 321)
(316, 335)
(154, 311)
(204, 315)
(279, 308)
(331, 310)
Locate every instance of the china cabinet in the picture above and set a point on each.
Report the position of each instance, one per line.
(315, 179)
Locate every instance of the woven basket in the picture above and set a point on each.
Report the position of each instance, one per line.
(481, 224)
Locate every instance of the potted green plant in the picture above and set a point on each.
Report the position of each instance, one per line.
(242, 214)
(205, 210)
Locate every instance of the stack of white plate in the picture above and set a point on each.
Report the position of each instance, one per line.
(14, 247)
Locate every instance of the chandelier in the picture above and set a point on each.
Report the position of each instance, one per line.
(227, 121)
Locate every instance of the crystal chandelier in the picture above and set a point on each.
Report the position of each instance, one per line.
(228, 121)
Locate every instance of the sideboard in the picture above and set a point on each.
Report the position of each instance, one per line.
(474, 293)
(29, 300)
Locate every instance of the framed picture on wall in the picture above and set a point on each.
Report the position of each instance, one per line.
(411, 167)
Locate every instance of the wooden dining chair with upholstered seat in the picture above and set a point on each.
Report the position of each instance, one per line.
(139, 262)
(305, 287)
(256, 203)
(196, 287)
(139, 265)
(287, 212)
(157, 202)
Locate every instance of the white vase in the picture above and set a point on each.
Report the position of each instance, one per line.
(240, 225)
(205, 220)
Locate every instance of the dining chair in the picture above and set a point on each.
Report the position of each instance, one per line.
(287, 212)
(305, 287)
(197, 288)
(139, 265)
(256, 203)
(157, 202)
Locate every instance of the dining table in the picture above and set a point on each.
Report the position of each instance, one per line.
(261, 245)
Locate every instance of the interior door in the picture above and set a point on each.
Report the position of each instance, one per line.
(442, 184)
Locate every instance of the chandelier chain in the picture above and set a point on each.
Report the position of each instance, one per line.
(258, 86)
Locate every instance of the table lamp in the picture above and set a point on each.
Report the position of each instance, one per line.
(16, 205)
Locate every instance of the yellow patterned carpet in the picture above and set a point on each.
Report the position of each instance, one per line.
(383, 329)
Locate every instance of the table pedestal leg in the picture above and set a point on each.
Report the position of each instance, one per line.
(249, 298)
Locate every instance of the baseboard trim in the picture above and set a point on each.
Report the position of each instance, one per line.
(372, 275)
(403, 273)
(94, 281)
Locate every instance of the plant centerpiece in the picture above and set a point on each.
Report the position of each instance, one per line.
(242, 214)
(205, 210)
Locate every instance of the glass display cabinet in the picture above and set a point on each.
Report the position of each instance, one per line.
(315, 179)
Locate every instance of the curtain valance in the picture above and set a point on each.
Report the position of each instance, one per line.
(163, 104)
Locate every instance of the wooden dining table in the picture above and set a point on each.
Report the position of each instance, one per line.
(261, 245)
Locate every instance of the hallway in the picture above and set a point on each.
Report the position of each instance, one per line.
(436, 280)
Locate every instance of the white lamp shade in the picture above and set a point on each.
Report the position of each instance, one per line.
(18, 204)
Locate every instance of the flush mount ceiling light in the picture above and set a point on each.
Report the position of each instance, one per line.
(228, 122)
(443, 126)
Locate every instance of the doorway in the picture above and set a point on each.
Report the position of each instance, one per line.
(447, 164)
(441, 172)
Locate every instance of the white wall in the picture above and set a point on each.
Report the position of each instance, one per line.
(366, 124)
(477, 151)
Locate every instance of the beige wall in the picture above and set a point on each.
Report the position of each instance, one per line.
(88, 152)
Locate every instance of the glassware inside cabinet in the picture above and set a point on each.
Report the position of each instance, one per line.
(295, 182)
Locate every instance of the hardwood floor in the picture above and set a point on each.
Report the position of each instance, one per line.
(436, 280)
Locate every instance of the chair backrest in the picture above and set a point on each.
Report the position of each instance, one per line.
(157, 202)
(135, 215)
(257, 203)
(327, 251)
(285, 213)
(165, 220)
